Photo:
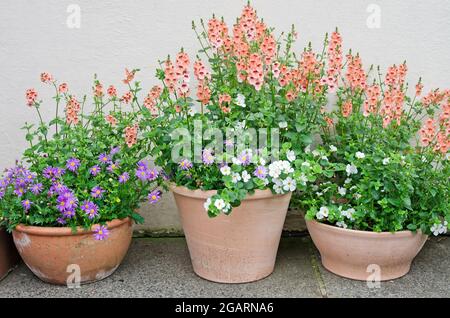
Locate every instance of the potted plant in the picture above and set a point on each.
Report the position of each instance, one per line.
(232, 185)
(387, 192)
(8, 253)
(71, 200)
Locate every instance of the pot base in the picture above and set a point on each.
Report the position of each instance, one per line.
(365, 256)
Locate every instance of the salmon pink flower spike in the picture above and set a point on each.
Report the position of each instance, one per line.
(126, 98)
(129, 76)
(347, 108)
(72, 110)
(112, 91)
(63, 88)
(31, 96)
(98, 90)
(111, 119)
(46, 78)
(131, 135)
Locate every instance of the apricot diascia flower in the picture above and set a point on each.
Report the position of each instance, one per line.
(31, 96)
(131, 135)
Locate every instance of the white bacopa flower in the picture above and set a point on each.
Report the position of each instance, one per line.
(285, 166)
(306, 164)
(342, 191)
(333, 148)
(386, 161)
(275, 169)
(235, 177)
(262, 161)
(307, 149)
(315, 188)
(225, 170)
(219, 204)
(289, 184)
(351, 169)
(290, 155)
(207, 204)
(240, 100)
(439, 228)
(341, 224)
(282, 124)
(240, 125)
(265, 181)
(348, 180)
(323, 213)
(277, 186)
(357, 196)
(303, 179)
(324, 158)
(315, 153)
(246, 176)
(348, 213)
(319, 194)
(360, 155)
(236, 161)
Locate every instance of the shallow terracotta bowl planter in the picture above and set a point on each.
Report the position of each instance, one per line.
(48, 251)
(8, 253)
(236, 248)
(349, 253)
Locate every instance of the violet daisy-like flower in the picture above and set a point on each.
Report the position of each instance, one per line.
(58, 172)
(61, 221)
(124, 177)
(101, 232)
(207, 157)
(141, 174)
(95, 170)
(104, 158)
(69, 213)
(185, 164)
(59, 188)
(97, 192)
(245, 157)
(114, 150)
(36, 188)
(152, 174)
(20, 182)
(113, 166)
(154, 196)
(29, 177)
(26, 204)
(19, 191)
(73, 164)
(48, 172)
(90, 208)
(260, 172)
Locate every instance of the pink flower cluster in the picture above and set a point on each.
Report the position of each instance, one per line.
(131, 135)
(72, 110)
(373, 93)
(151, 99)
(355, 75)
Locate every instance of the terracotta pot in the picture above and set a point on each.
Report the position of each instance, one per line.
(349, 253)
(236, 248)
(48, 251)
(8, 253)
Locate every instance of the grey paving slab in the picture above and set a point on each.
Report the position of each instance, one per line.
(161, 268)
(429, 277)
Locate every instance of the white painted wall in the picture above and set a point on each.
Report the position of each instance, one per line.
(115, 34)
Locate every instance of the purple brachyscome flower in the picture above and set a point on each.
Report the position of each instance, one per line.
(90, 208)
(52, 172)
(101, 232)
(141, 174)
(142, 165)
(95, 170)
(114, 150)
(73, 164)
(152, 174)
(185, 164)
(112, 166)
(29, 177)
(245, 157)
(154, 196)
(68, 214)
(124, 177)
(104, 158)
(61, 221)
(67, 202)
(19, 191)
(207, 157)
(228, 143)
(97, 192)
(59, 188)
(20, 182)
(36, 188)
(260, 172)
(26, 204)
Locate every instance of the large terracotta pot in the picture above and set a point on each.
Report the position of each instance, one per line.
(8, 253)
(49, 251)
(360, 254)
(236, 248)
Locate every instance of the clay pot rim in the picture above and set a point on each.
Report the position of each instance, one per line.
(65, 231)
(201, 194)
(404, 233)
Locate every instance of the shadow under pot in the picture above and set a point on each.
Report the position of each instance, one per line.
(364, 255)
(60, 256)
(8, 254)
(236, 248)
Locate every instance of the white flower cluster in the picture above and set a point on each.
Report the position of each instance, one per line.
(348, 213)
(323, 213)
(220, 204)
(439, 228)
(276, 169)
